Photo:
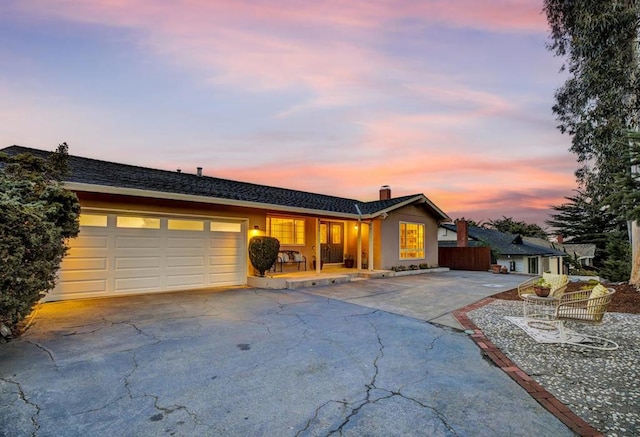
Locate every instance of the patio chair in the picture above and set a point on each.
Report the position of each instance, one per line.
(558, 284)
(587, 306)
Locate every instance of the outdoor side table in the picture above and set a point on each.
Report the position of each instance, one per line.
(540, 312)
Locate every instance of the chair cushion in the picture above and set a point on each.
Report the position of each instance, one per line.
(297, 257)
(284, 257)
(596, 306)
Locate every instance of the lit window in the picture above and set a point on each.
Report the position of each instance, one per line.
(287, 230)
(185, 225)
(138, 222)
(94, 220)
(336, 233)
(411, 240)
(225, 227)
(323, 233)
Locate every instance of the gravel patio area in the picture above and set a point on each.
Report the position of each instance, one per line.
(602, 387)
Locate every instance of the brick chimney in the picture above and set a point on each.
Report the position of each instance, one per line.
(462, 233)
(385, 192)
(559, 239)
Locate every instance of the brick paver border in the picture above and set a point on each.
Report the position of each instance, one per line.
(538, 392)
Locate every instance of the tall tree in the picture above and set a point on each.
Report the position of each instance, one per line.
(598, 105)
(583, 220)
(508, 224)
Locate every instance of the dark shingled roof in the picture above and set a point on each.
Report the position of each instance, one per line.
(96, 172)
(505, 243)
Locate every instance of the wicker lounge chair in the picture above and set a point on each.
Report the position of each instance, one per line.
(587, 306)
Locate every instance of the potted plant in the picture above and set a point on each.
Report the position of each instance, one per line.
(348, 261)
(314, 263)
(542, 288)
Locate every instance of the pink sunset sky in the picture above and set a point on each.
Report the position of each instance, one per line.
(450, 98)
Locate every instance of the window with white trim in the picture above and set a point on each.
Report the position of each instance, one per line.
(94, 220)
(411, 240)
(137, 222)
(289, 231)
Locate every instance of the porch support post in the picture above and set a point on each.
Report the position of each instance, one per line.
(359, 251)
(318, 259)
(370, 260)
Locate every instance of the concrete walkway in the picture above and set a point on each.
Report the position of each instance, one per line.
(250, 362)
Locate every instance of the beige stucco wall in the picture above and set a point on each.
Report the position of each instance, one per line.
(388, 246)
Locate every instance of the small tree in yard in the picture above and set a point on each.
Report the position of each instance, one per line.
(263, 252)
(37, 216)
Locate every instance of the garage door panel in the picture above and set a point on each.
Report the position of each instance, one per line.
(124, 263)
(222, 268)
(133, 273)
(186, 243)
(124, 242)
(82, 275)
(185, 261)
(222, 251)
(95, 242)
(79, 263)
(225, 242)
(223, 279)
(186, 280)
(223, 260)
(75, 287)
(76, 252)
(137, 284)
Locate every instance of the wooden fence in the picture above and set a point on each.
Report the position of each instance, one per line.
(465, 258)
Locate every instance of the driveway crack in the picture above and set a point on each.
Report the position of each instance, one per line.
(23, 398)
(45, 350)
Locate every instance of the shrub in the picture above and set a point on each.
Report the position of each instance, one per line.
(263, 252)
(37, 216)
(424, 266)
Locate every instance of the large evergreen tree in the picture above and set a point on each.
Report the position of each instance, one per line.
(37, 217)
(598, 105)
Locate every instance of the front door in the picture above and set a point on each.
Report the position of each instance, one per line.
(331, 242)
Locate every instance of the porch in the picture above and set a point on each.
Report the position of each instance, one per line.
(328, 276)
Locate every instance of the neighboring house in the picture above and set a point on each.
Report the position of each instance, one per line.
(514, 252)
(584, 253)
(148, 230)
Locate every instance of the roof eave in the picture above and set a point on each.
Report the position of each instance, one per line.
(106, 189)
(421, 198)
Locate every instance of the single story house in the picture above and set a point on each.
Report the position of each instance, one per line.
(513, 251)
(145, 230)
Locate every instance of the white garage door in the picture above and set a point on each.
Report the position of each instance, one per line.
(123, 254)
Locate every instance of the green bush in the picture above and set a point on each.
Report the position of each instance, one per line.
(263, 252)
(37, 216)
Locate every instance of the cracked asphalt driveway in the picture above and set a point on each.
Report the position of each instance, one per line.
(252, 362)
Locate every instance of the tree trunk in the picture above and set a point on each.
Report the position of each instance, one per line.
(635, 254)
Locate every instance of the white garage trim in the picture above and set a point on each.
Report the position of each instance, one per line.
(119, 253)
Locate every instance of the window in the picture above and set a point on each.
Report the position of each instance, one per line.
(323, 233)
(411, 240)
(225, 227)
(288, 231)
(336, 233)
(512, 266)
(94, 220)
(185, 225)
(137, 222)
(533, 265)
